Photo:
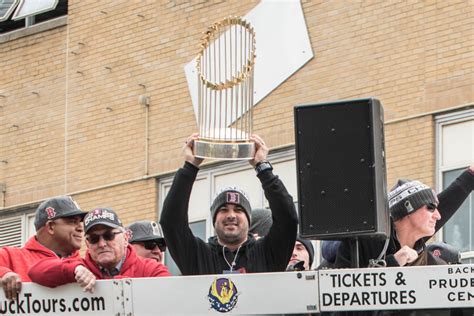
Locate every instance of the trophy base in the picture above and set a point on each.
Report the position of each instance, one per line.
(224, 151)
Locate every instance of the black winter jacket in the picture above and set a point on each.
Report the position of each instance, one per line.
(194, 256)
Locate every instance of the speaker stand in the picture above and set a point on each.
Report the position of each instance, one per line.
(354, 248)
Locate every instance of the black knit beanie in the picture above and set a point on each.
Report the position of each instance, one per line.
(231, 195)
(407, 196)
(309, 247)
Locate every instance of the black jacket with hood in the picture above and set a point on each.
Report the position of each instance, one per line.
(194, 256)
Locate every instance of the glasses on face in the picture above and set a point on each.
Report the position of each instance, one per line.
(107, 236)
(151, 244)
(431, 207)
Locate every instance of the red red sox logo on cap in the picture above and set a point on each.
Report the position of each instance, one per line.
(436, 253)
(233, 197)
(50, 211)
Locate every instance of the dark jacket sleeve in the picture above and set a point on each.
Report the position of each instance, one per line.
(174, 220)
(52, 272)
(280, 241)
(451, 198)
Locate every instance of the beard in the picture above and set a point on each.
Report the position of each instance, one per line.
(231, 237)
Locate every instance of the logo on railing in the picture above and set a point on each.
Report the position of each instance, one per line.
(223, 295)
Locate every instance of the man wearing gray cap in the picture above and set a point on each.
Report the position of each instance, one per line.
(147, 240)
(416, 215)
(59, 232)
(108, 256)
(233, 249)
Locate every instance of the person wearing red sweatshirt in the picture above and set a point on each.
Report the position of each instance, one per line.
(108, 256)
(59, 231)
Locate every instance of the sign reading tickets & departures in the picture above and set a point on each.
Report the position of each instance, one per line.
(431, 287)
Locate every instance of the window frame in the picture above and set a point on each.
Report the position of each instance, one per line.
(26, 220)
(30, 26)
(442, 121)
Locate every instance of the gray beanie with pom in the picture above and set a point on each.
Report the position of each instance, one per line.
(407, 196)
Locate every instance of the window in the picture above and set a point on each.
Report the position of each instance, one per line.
(16, 230)
(459, 230)
(10, 232)
(16, 14)
(455, 152)
(199, 230)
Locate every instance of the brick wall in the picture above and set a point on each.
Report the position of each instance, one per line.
(72, 123)
(410, 150)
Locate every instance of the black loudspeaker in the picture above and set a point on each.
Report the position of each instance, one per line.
(341, 169)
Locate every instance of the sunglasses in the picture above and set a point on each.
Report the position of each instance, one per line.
(107, 236)
(431, 207)
(151, 244)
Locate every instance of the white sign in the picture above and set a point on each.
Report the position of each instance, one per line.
(397, 288)
(253, 293)
(428, 287)
(69, 299)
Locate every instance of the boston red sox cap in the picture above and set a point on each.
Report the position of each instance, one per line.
(56, 207)
(231, 195)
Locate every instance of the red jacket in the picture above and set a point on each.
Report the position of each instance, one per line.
(54, 272)
(19, 260)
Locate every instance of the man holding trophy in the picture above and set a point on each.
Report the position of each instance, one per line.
(233, 249)
(225, 88)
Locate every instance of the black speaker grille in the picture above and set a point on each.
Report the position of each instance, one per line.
(335, 161)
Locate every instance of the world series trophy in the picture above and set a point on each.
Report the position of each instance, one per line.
(225, 68)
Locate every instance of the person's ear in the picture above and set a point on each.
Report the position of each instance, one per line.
(50, 227)
(126, 236)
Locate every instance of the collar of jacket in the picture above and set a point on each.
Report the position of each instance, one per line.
(215, 245)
